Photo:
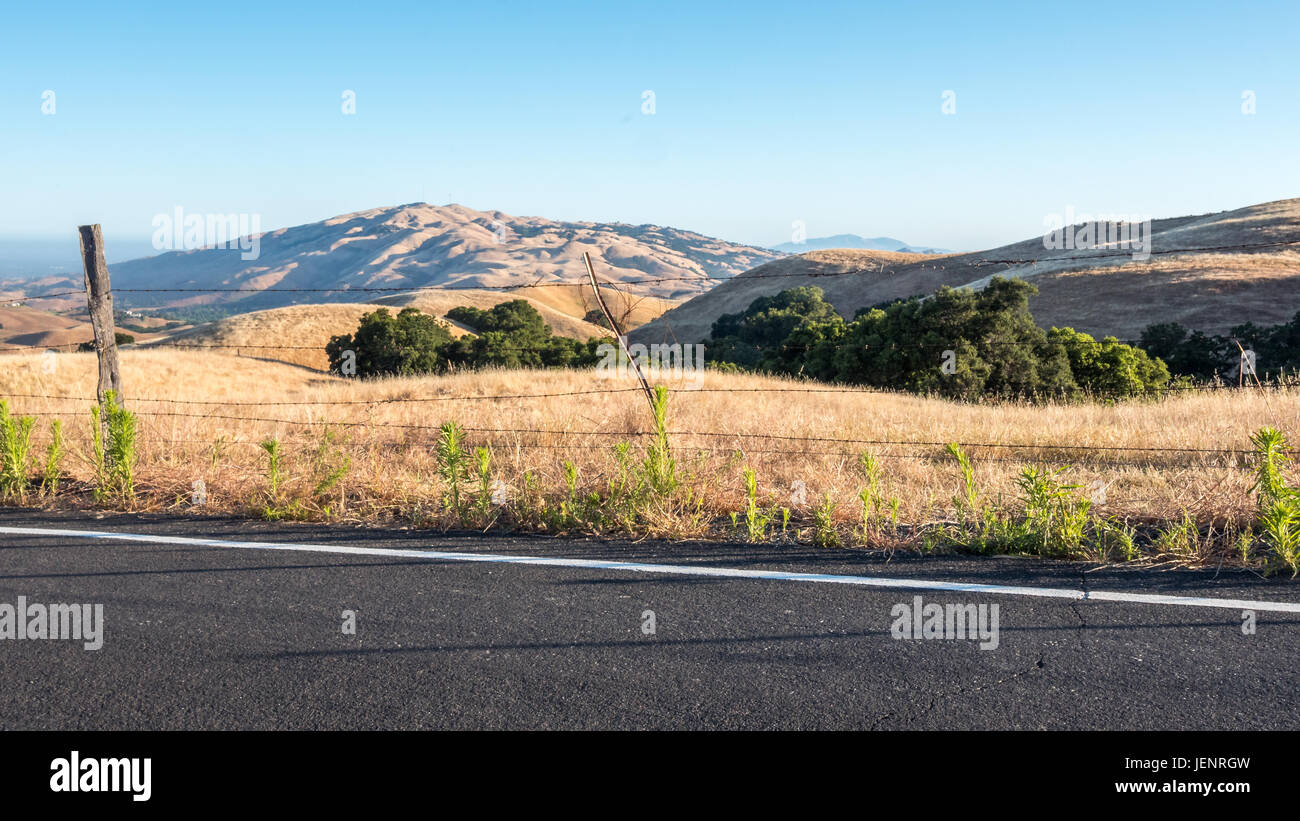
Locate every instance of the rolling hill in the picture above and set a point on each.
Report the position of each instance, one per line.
(1101, 292)
(407, 247)
(23, 327)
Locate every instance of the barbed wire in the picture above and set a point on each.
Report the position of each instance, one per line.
(687, 391)
(683, 440)
(1039, 446)
(741, 451)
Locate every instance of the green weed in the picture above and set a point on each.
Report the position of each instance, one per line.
(660, 467)
(1278, 517)
(15, 453)
(823, 531)
(757, 520)
(113, 440)
(453, 467)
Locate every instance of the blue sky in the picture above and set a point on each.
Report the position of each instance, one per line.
(764, 113)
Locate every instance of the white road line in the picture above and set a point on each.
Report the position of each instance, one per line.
(684, 570)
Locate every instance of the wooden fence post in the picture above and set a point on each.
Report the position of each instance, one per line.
(618, 332)
(99, 302)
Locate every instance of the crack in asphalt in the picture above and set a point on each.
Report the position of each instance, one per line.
(1074, 606)
(960, 691)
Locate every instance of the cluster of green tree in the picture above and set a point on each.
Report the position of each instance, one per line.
(514, 335)
(1198, 355)
(956, 343)
(119, 339)
(196, 314)
(509, 335)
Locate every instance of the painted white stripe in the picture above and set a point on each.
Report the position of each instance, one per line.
(683, 570)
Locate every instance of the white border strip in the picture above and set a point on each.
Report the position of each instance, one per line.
(684, 570)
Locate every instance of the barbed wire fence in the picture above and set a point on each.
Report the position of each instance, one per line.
(692, 440)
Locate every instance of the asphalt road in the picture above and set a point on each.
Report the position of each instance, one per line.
(214, 637)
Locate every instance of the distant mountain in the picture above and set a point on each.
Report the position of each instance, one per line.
(420, 245)
(1100, 292)
(856, 242)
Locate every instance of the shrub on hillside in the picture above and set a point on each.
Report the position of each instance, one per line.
(119, 339)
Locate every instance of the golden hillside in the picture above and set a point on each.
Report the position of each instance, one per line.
(1101, 292)
(22, 326)
(631, 310)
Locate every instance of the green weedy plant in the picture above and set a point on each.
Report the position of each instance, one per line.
(273, 509)
(569, 506)
(894, 504)
(15, 453)
(576, 510)
(870, 495)
(453, 466)
(967, 503)
(824, 534)
(624, 488)
(868, 527)
(1245, 541)
(53, 459)
(1055, 517)
(1271, 453)
(757, 521)
(113, 439)
(97, 452)
(622, 480)
(483, 493)
(1278, 518)
(1180, 539)
(1280, 525)
(1111, 536)
(659, 467)
(329, 465)
(981, 527)
(218, 451)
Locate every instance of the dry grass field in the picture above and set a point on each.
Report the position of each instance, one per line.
(1127, 457)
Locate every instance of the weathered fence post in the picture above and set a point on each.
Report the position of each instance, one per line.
(99, 302)
(618, 332)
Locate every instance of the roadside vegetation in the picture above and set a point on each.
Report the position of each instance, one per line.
(742, 458)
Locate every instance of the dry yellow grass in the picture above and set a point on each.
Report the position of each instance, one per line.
(389, 436)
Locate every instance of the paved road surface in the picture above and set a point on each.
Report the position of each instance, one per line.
(223, 637)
